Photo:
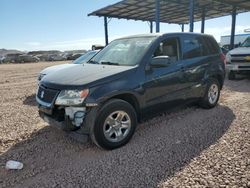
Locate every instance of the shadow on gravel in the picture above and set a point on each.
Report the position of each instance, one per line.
(160, 147)
(241, 84)
(30, 100)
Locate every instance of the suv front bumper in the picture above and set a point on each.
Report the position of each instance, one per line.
(63, 117)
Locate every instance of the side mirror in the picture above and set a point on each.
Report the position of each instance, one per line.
(160, 61)
(239, 43)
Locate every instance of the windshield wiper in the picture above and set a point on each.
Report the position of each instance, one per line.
(108, 63)
(93, 62)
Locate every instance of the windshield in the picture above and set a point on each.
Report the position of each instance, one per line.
(246, 43)
(85, 58)
(127, 52)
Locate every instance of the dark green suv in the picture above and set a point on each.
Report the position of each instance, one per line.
(131, 78)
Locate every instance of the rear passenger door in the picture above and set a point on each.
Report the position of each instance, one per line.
(194, 63)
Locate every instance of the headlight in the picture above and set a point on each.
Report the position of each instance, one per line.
(71, 97)
(40, 77)
(228, 58)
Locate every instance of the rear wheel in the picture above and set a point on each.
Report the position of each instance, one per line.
(115, 124)
(231, 75)
(212, 94)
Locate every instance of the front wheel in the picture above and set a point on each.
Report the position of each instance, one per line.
(212, 94)
(115, 124)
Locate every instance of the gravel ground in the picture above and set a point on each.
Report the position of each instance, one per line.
(189, 147)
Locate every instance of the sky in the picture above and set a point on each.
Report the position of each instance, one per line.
(64, 25)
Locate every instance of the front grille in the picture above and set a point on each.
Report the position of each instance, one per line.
(240, 55)
(47, 95)
(240, 61)
(240, 58)
(244, 67)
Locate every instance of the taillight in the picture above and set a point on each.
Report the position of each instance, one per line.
(223, 58)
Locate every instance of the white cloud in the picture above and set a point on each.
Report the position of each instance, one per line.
(33, 43)
(86, 43)
(67, 45)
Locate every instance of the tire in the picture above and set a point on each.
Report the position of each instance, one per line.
(115, 124)
(231, 75)
(212, 94)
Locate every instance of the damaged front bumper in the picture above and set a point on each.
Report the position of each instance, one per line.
(68, 118)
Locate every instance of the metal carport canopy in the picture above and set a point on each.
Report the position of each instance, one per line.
(171, 11)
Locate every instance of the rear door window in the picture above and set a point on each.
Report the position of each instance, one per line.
(192, 47)
(211, 45)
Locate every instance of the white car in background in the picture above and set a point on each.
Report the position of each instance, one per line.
(82, 59)
(238, 60)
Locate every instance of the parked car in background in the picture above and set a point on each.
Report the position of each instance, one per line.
(11, 58)
(74, 56)
(238, 40)
(238, 60)
(82, 59)
(97, 47)
(56, 57)
(224, 50)
(130, 79)
(1, 59)
(26, 59)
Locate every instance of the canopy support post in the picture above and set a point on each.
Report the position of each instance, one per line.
(234, 12)
(182, 27)
(106, 30)
(203, 17)
(151, 27)
(191, 15)
(157, 15)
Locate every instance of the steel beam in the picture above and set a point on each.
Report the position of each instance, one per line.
(234, 12)
(191, 15)
(106, 30)
(157, 15)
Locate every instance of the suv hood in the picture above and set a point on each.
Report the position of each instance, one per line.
(55, 68)
(240, 51)
(80, 75)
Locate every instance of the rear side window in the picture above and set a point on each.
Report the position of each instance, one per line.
(211, 45)
(192, 47)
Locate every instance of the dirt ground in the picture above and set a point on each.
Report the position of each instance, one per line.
(190, 147)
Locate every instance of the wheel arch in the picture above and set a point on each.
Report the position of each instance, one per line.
(220, 79)
(132, 100)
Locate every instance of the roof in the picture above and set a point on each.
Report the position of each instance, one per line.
(162, 34)
(171, 11)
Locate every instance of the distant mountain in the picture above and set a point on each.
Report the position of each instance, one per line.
(4, 52)
(44, 52)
